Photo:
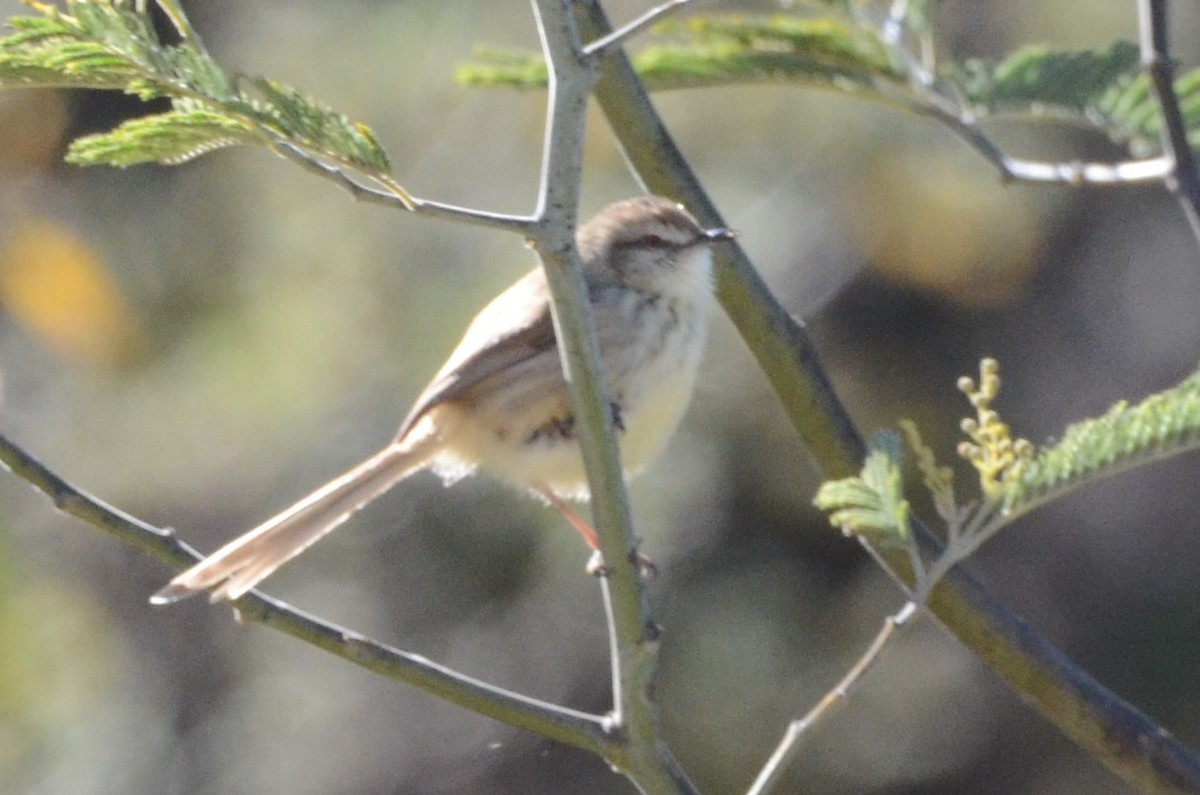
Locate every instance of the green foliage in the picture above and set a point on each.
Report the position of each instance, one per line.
(873, 503)
(44, 52)
(286, 109)
(1105, 88)
(1164, 424)
(714, 50)
(494, 67)
(1130, 113)
(109, 44)
(708, 51)
(844, 49)
(1040, 76)
(168, 138)
(1013, 477)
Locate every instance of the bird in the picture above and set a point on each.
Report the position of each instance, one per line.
(500, 404)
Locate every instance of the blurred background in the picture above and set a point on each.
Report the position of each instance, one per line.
(202, 345)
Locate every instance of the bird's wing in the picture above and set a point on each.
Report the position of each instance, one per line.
(515, 327)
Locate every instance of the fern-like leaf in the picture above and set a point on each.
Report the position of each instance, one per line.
(167, 138)
(47, 52)
(108, 44)
(1130, 113)
(734, 49)
(871, 504)
(317, 126)
(495, 67)
(1040, 76)
(1164, 424)
(709, 51)
(1104, 88)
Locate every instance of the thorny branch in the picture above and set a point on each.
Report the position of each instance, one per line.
(569, 726)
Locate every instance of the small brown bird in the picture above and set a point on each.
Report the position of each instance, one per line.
(501, 404)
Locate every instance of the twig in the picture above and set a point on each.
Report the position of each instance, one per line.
(1081, 173)
(925, 577)
(960, 544)
(641, 754)
(603, 45)
(963, 124)
(617, 715)
(1184, 179)
(579, 729)
(894, 23)
(339, 175)
(399, 199)
(772, 772)
(924, 99)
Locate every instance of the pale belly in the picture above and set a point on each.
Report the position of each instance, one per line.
(652, 397)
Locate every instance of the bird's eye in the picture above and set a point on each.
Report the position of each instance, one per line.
(656, 241)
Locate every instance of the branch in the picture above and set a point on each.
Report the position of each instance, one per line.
(340, 176)
(397, 198)
(924, 99)
(578, 729)
(1178, 169)
(1184, 179)
(1073, 173)
(605, 44)
(1111, 730)
(772, 772)
(641, 755)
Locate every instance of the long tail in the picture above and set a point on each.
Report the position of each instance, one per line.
(250, 558)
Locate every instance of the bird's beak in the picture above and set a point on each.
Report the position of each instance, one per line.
(719, 234)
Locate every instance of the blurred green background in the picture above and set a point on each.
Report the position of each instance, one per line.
(202, 345)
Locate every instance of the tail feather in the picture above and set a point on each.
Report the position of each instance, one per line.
(247, 560)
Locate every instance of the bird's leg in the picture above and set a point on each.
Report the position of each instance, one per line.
(595, 565)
